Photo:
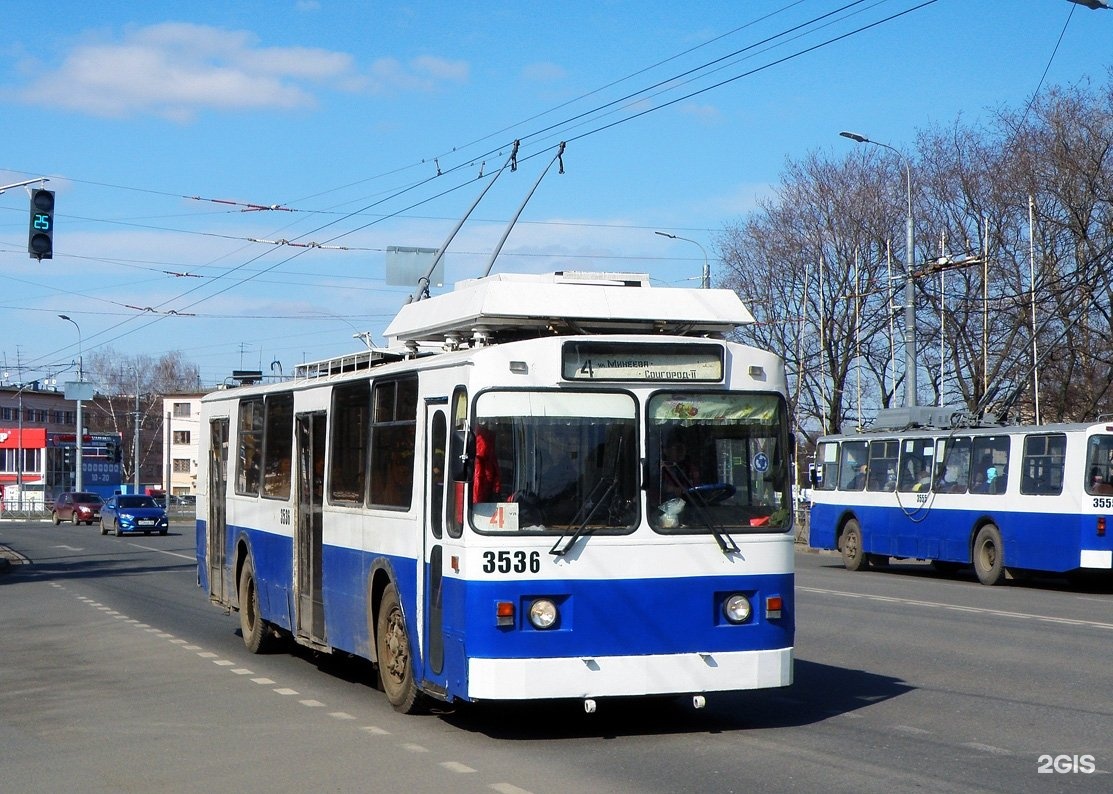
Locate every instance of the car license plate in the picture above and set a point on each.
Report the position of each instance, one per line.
(146, 522)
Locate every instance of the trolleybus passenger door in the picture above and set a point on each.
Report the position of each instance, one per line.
(215, 520)
(308, 530)
(436, 423)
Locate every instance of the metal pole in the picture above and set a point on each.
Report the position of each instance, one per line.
(137, 430)
(79, 436)
(909, 284)
(706, 283)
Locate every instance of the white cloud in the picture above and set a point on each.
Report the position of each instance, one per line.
(705, 113)
(424, 73)
(543, 72)
(175, 70)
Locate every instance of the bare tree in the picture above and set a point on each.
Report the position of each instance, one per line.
(129, 390)
(1013, 251)
(813, 265)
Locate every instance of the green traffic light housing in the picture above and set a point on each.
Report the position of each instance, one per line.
(40, 239)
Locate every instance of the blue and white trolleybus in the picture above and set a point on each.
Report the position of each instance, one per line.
(1002, 499)
(559, 486)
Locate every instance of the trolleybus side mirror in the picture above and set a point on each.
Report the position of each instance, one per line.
(813, 475)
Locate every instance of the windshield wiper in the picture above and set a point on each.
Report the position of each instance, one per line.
(601, 493)
(699, 504)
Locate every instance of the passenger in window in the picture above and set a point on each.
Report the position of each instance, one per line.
(1098, 485)
(858, 481)
(678, 471)
(923, 480)
(486, 480)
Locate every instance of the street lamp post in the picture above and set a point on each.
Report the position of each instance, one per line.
(909, 284)
(706, 267)
(79, 436)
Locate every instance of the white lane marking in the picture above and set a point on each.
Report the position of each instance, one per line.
(223, 662)
(69, 548)
(957, 608)
(262, 680)
(189, 557)
(509, 788)
(456, 766)
(375, 730)
(242, 671)
(341, 715)
(986, 748)
(286, 691)
(414, 748)
(313, 704)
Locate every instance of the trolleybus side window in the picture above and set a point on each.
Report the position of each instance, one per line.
(827, 466)
(991, 459)
(249, 462)
(853, 464)
(278, 441)
(457, 455)
(351, 405)
(1042, 471)
(916, 458)
(1099, 465)
(882, 474)
(953, 472)
(393, 431)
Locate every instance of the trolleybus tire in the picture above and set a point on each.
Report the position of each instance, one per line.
(392, 642)
(257, 634)
(989, 556)
(850, 544)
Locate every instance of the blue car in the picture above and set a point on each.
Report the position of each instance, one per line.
(132, 513)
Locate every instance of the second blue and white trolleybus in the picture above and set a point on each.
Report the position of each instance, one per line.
(560, 486)
(1001, 499)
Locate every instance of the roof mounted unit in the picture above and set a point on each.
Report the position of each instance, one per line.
(509, 306)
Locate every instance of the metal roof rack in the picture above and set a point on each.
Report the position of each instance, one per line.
(351, 362)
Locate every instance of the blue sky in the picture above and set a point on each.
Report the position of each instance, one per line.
(148, 117)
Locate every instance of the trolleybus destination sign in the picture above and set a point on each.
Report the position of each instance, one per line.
(628, 361)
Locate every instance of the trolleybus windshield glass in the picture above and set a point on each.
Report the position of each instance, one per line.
(715, 461)
(551, 461)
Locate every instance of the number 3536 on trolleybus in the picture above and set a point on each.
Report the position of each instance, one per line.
(560, 486)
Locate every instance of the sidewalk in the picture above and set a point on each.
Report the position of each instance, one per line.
(9, 558)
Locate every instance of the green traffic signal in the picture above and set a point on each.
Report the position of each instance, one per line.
(40, 240)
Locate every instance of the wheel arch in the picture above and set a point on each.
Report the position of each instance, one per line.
(978, 525)
(840, 527)
(379, 578)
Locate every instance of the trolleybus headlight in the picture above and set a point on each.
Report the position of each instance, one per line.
(736, 608)
(543, 613)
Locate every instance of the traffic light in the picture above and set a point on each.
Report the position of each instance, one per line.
(40, 239)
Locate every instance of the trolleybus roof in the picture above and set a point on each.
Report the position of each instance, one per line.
(576, 301)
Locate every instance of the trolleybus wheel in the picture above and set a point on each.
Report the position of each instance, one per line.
(989, 556)
(257, 635)
(851, 546)
(395, 663)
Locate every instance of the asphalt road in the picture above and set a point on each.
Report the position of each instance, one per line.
(116, 674)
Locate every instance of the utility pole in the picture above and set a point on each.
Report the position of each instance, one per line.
(137, 429)
(79, 436)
